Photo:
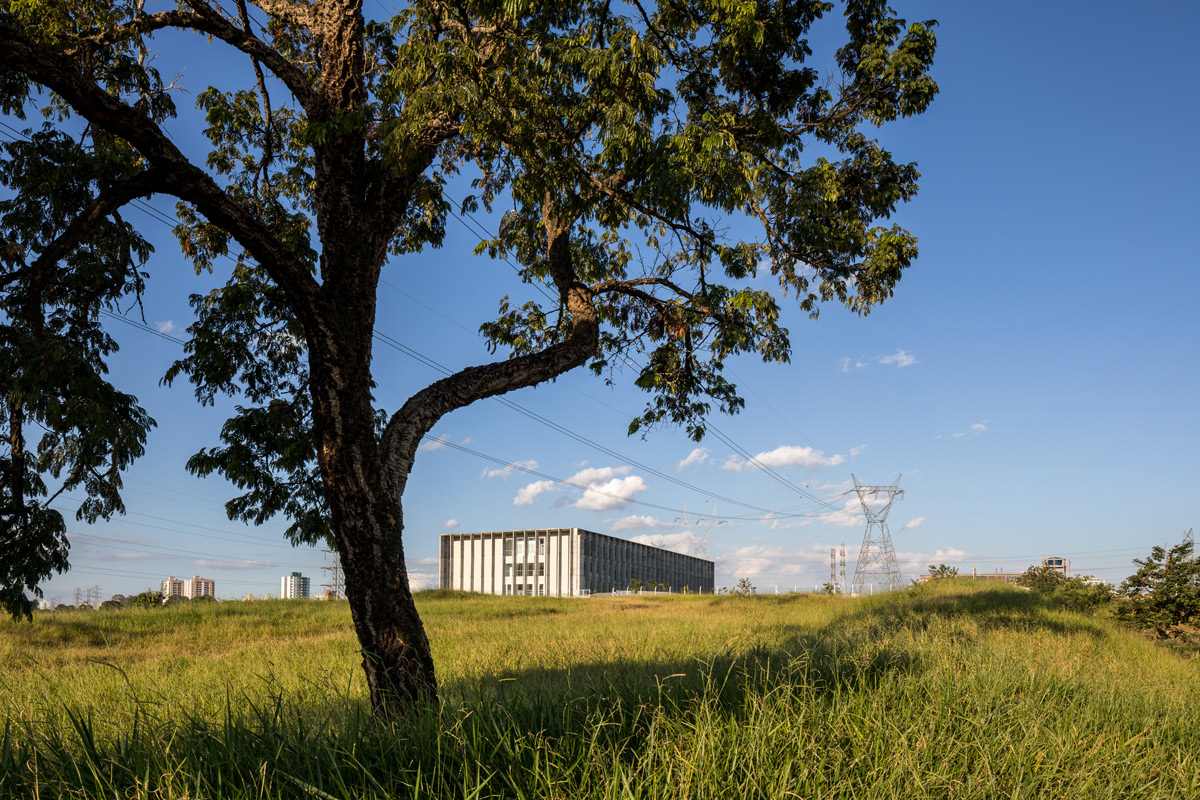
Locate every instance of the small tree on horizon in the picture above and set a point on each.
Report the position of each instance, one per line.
(941, 571)
(744, 587)
(1163, 596)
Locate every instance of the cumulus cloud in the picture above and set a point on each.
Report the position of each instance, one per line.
(785, 456)
(971, 432)
(604, 488)
(528, 495)
(641, 522)
(422, 580)
(616, 493)
(166, 326)
(450, 523)
(697, 456)
(507, 469)
(429, 445)
(593, 475)
(901, 358)
(681, 542)
(913, 524)
(848, 364)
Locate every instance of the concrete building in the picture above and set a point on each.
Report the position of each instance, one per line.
(190, 588)
(293, 587)
(561, 562)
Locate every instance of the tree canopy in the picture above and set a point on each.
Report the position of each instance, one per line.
(629, 144)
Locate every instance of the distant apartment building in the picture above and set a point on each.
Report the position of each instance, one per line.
(293, 587)
(191, 588)
(562, 562)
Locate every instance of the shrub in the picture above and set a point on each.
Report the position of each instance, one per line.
(1164, 594)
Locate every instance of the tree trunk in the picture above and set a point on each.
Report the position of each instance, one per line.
(395, 649)
(367, 520)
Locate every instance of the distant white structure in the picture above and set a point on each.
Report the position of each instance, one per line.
(191, 588)
(293, 587)
(562, 562)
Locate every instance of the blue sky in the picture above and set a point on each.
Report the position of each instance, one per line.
(1034, 378)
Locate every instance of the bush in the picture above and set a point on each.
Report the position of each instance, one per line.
(1163, 596)
(1042, 579)
(1081, 593)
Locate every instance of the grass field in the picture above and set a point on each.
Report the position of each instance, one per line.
(956, 691)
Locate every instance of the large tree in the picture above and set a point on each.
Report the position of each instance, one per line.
(629, 142)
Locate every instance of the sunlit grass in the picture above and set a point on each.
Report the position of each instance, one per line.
(958, 691)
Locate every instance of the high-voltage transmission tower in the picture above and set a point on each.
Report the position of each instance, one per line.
(333, 565)
(1190, 542)
(877, 558)
(702, 527)
(837, 569)
(841, 584)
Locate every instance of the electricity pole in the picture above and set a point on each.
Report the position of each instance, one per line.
(877, 557)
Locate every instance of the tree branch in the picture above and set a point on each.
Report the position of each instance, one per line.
(206, 19)
(180, 177)
(422, 411)
(142, 185)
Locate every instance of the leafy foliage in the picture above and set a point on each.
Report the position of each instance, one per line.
(744, 587)
(53, 355)
(1163, 596)
(1042, 579)
(651, 162)
(942, 571)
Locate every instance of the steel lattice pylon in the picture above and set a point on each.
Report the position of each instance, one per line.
(877, 558)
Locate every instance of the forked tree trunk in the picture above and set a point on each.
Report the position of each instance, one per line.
(367, 520)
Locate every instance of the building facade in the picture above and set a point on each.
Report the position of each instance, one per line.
(562, 562)
(190, 588)
(293, 587)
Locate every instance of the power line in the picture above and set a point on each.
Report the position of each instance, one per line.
(395, 344)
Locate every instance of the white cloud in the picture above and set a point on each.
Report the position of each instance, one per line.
(422, 580)
(450, 523)
(507, 470)
(166, 326)
(785, 456)
(641, 522)
(681, 542)
(848, 364)
(913, 524)
(697, 456)
(528, 495)
(433, 444)
(973, 431)
(593, 475)
(901, 358)
(856, 451)
(614, 494)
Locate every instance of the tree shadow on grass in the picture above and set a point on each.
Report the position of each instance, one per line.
(503, 731)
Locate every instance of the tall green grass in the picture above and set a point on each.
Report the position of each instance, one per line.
(956, 691)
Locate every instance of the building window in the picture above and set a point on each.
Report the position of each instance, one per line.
(508, 570)
(541, 569)
(541, 546)
(508, 547)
